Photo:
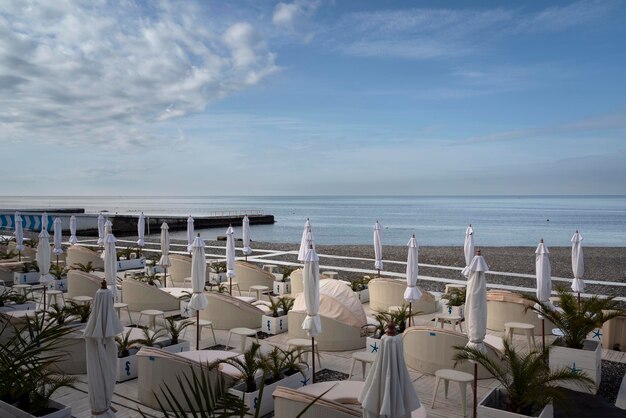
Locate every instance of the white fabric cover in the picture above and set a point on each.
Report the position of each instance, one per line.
(468, 249)
(198, 300)
(307, 237)
(19, 232)
(43, 257)
(578, 265)
(412, 293)
(544, 278)
(110, 259)
(141, 230)
(58, 236)
(312, 324)
(476, 304)
(388, 391)
(337, 301)
(245, 228)
(100, 229)
(230, 253)
(190, 233)
(102, 327)
(73, 239)
(164, 261)
(378, 248)
(44, 221)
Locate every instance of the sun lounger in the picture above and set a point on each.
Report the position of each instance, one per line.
(226, 312)
(504, 306)
(385, 292)
(296, 282)
(248, 274)
(82, 255)
(80, 283)
(27, 252)
(141, 296)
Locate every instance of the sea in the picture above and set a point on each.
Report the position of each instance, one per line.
(435, 220)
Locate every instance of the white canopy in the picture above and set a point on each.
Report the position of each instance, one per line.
(468, 249)
(542, 269)
(110, 259)
(141, 230)
(58, 236)
(476, 304)
(388, 391)
(412, 293)
(73, 239)
(245, 230)
(43, 257)
(190, 233)
(164, 261)
(102, 327)
(198, 275)
(312, 324)
(307, 238)
(378, 248)
(19, 232)
(100, 229)
(230, 252)
(578, 264)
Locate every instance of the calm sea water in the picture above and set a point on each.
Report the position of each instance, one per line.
(497, 221)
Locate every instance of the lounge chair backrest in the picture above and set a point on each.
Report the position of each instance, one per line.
(248, 274)
(226, 312)
(83, 255)
(385, 292)
(296, 282)
(80, 283)
(504, 306)
(289, 403)
(141, 296)
(335, 336)
(27, 252)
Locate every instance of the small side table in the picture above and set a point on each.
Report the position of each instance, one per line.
(454, 320)
(54, 294)
(528, 329)
(330, 274)
(232, 285)
(23, 289)
(118, 308)
(203, 323)
(151, 314)
(82, 300)
(244, 333)
(447, 375)
(305, 345)
(270, 268)
(258, 289)
(364, 358)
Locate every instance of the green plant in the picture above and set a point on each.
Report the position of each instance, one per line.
(10, 296)
(29, 266)
(87, 268)
(58, 271)
(455, 297)
(150, 337)
(125, 344)
(149, 278)
(274, 306)
(126, 253)
(527, 379)
(58, 313)
(80, 310)
(175, 328)
(398, 317)
(31, 243)
(360, 284)
(286, 303)
(248, 366)
(219, 267)
(574, 319)
(286, 271)
(7, 255)
(279, 363)
(222, 288)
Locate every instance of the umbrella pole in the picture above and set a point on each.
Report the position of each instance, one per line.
(164, 276)
(410, 306)
(19, 256)
(197, 330)
(475, 388)
(313, 358)
(378, 272)
(57, 261)
(543, 334)
(44, 298)
(579, 300)
(230, 285)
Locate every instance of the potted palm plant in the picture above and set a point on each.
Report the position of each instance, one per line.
(86, 268)
(127, 259)
(10, 300)
(359, 286)
(374, 333)
(276, 323)
(60, 277)
(174, 329)
(218, 272)
(453, 302)
(575, 321)
(527, 385)
(185, 310)
(28, 275)
(282, 282)
(127, 349)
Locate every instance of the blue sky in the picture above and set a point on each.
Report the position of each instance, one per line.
(312, 97)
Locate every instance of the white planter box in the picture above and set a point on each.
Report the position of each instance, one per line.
(154, 269)
(178, 348)
(453, 310)
(21, 307)
(487, 407)
(185, 310)
(31, 277)
(596, 335)
(282, 288)
(294, 381)
(60, 285)
(127, 368)
(363, 295)
(9, 411)
(133, 263)
(218, 277)
(587, 360)
(271, 325)
(372, 345)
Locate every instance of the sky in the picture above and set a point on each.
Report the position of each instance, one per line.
(312, 97)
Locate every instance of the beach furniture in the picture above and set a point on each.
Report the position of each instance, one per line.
(141, 296)
(448, 375)
(118, 309)
(77, 254)
(151, 314)
(385, 292)
(259, 290)
(248, 275)
(80, 283)
(160, 370)
(181, 269)
(341, 314)
(428, 349)
(203, 324)
(27, 252)
(527, 329)
(227, 312)
(454, 320)
(363, 357)
(296, 282)
(504, 306)
(244, 333)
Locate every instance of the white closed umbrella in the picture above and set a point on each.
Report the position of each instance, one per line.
(73, 239)
(312, 323)
(44, 221)
(190, 233)
(245, 230)
(388, 391)
(43, 260)
(198, 299)
(102, 327)
(230, 257)
(141, 230)
(100, 229)
(304, 242)
(164, 261)
(578, 264)
(544, 282)
(468, 249)
(378, 249)
(110, 258)
(476, 309)
(58, 238)
(412, 293)
(19, 235)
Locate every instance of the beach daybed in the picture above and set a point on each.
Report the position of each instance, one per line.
(82, 255)
(385, 292)
(296, 282)
(504, 306)
(141, 296)
(8, 267)
(342, 318)
(428, 349)
(227, 312)
(339, 401)
(159, 369)
(27, 252)
(80, 283)
(248, 274)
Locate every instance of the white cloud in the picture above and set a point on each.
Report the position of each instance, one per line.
(286, 14)
(106, 72)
